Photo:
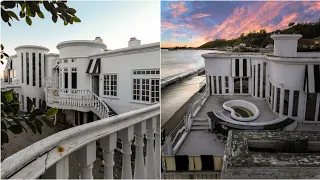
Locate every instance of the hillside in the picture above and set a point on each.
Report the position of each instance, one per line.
(262, 38)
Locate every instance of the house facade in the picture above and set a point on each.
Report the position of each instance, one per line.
(85, 81)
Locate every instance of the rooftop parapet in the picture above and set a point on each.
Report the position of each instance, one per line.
(285, 45)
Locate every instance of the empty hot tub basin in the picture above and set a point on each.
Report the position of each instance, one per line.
(242, 110)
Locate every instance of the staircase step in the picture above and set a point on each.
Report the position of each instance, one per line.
(200, 120)
(200, 123)
(199, 128)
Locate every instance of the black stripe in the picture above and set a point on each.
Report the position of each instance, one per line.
(305, 84)
(96, 68)
(207, 162)
(316, 78)
(244, 67)
(182, 162)
(237, 67)
(90, 63)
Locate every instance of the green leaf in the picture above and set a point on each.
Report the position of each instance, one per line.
(8, 4)
(51, 112)
(29, 104)
(38, 126)
(31, 126)
(40, 15)
(9, 97)
(12, 14)
(16, 129)
(71, 11)
(76, 19)
(37, 112)
(54, 18)
(47, 121)
(2, 48)
(5, 54)
(44, 105)
(4, 15)
(28, 20)
(4, 137)
(22, 14)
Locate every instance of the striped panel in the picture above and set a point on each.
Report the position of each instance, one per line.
(312, 79)
(243, 65)
(192, 163)
(94, 66)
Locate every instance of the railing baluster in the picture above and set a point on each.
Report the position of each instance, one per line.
(108, 144)
(139, 167)
(126, 137)
(150, 159)
(158, 147)
(86, 156)
(58, 171)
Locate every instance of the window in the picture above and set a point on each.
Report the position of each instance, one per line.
(264, 79)
(22, 102)
(254, 80)
(278, 100)
(210, 84)
(44, 64)
(244, 67)
(22, 67)
(220, 85)
(66, 79)
(74, 69)
(295, 103)
(65, 69)
(65, 61)
(74, 78)
(237, 86)
(245, 84)
(110, 84)
(34, 69)
(34, 101)
(73, 60)
(259, 70)
(270, 87)
(215, 84)
(310, 113)
(237, 67)
(286, 101)
(28, 66)
(39, 69)
(146, 85)
(39, 105)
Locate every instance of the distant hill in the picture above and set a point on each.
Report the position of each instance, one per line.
(262, 38)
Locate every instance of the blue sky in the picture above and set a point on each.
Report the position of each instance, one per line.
(194, 23)
(115, 22)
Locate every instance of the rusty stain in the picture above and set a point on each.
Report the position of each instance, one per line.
(60, 149)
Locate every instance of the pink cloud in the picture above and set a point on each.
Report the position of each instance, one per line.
(179, 34)
(200, 15)
(169, 25)
(178, 9)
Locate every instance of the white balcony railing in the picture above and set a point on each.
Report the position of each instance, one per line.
(50, 156)
(14, 82)
(52, 82)
(76, 99)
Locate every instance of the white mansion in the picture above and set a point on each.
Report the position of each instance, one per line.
(88, 82)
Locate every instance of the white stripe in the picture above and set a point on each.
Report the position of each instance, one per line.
(311, 82)
(248, 67)
(233, 67)
(290, 103)
(241, 67)
(92, 65)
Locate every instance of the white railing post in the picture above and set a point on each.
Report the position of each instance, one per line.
(158, 146)
(58, 171)
(86, 156)
(126, 137)
(139, 167)
(150, 159)
(108, 144)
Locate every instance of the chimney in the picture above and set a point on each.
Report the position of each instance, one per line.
(98, 39)
(285, 45)
(134, 42)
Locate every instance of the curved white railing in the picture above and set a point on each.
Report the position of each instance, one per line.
(50, 156)
(242, 103)
(51, 82)
(77, 98)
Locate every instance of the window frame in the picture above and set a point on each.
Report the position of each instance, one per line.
(108, 90)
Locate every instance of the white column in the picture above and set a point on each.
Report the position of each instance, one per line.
(281, 101)
(316, 115)
(256, 81)
(290, 103)
(86, 156)
(217, 84)
(139, 131)
(275, 99)
(150, 159)
(223, 84)
(108, 144)
(126, 137)
(302, 104)
(212, 85)
(58, 171)
(158, 147)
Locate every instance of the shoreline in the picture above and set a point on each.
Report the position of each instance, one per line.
(167, 81)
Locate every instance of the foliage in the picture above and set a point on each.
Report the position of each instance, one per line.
(262, 38)
(14, 120)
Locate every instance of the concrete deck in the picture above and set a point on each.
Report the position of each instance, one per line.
(202, 143)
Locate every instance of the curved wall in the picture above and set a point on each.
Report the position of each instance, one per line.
(81, 48)
(248, 105)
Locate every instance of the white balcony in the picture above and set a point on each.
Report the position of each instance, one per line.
(11, 83)
(49, 157)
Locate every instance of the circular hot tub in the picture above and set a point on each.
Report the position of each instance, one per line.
(242, 110)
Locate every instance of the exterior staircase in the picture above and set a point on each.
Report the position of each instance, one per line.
(200, 124)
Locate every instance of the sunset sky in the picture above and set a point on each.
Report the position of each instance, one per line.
(195, 23)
